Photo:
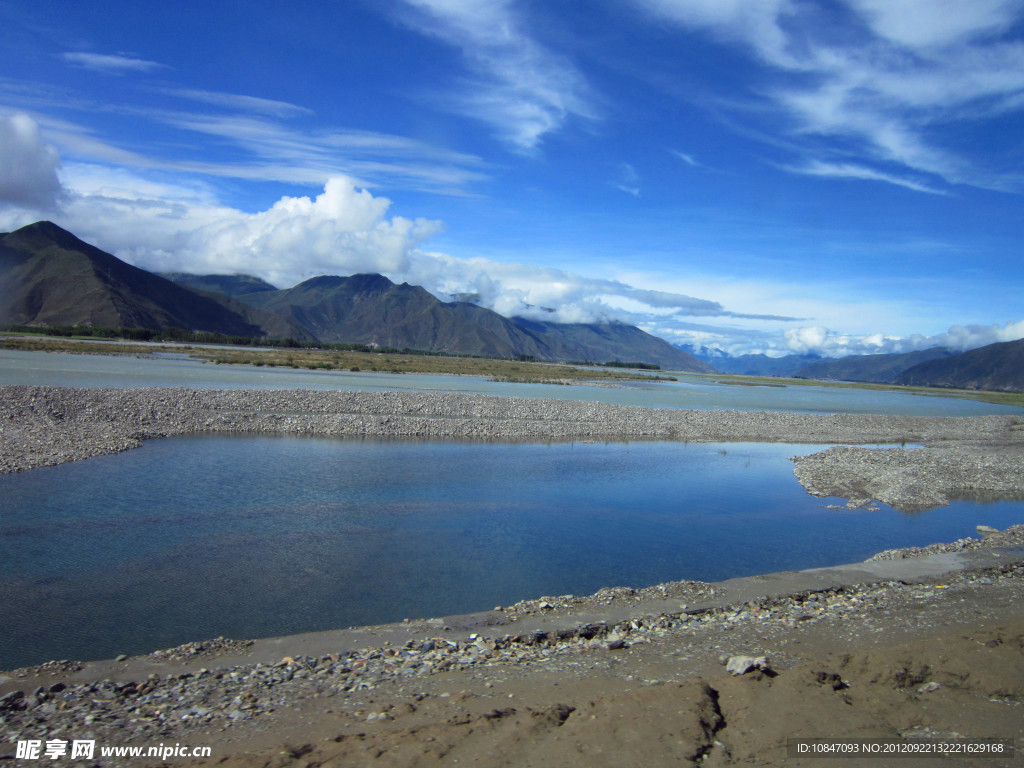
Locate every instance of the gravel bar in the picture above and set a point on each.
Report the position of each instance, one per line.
(980, 456)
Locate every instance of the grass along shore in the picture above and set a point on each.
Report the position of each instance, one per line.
(983, 396)
(530, 372)
(343, 360)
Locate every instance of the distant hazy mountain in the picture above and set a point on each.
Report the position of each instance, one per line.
(997, 367)
(229, 285)
(880, 369)
(50, 277)
(762, 365)
(370, 309)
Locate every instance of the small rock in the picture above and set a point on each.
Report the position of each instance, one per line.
(986, 530)
(741, 665)
(122, 657)
(8, 699)
(929, 687)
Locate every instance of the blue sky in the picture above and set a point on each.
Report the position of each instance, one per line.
(754, 175)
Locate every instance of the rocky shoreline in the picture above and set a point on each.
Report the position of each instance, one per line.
(977, 457)
(370, 693)
(212, 691)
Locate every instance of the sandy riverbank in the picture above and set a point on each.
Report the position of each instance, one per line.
(926, 647)
(929, 646)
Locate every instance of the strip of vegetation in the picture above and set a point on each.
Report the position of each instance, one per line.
(984, 396)
(181, 336)
(328, 357)
(615, 364)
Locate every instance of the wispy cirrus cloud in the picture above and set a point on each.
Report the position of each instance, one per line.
(282, 152)
(269, 141)
(853, 171)
(521, 89)
(110, 64)
(239, 102)
(904, 72)
(628, 180)
(686, 158)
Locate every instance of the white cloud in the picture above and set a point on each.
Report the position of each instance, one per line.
(523, 90)
(264, 148)
(628, 180)
(936, 23)
(961, 337)
(852, 171)
(28, 165)
(114, 65)
(758, 23)
(688, 159)
(171, 222)
(343, 230)
(822, 341)
(239, 102)
(903, 69)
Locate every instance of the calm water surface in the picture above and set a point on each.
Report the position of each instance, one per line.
(700, 392)
(189, 538)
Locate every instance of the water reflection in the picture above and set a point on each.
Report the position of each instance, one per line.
(189, 538)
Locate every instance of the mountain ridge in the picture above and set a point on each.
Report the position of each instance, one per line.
(48, 276)
(996, 367)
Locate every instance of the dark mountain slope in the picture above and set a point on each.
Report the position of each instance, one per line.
(229, 285)
(605, 342)
(50, 277)
(762, 365)
(370, 309)
(998, 367)
(880, 369)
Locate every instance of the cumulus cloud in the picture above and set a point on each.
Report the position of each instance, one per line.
(28, 165)
(165, 222)
(963, 337)
(343, 230)
(959, 338)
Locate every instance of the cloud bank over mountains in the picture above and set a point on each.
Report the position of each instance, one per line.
(347, 230)
(343, 230)
(774, 176)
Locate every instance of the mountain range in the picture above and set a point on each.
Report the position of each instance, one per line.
(50, 277)
(879, 369)
(997, 367)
